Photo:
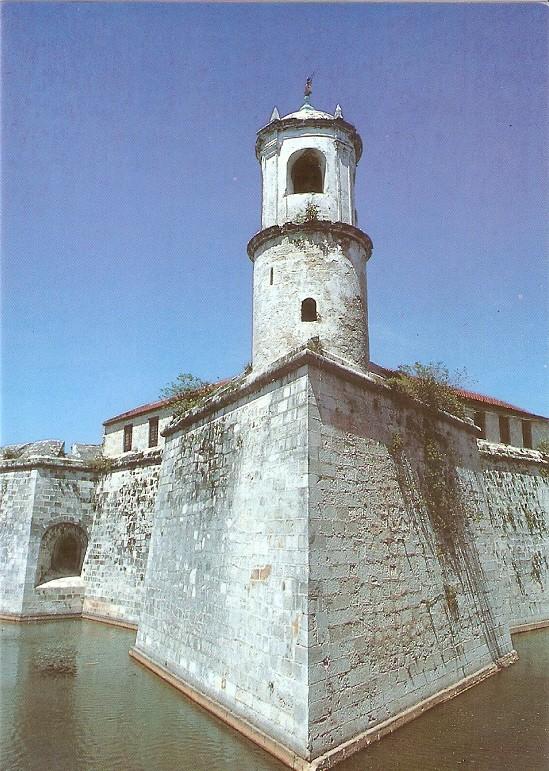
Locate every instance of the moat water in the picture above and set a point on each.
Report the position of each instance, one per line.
(71, 699)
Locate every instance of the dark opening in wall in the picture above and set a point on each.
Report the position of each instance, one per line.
(128, 434)
(308, 310)
(480, 421)
(526, 434)
(271, 277)
(62, 551)
(306, 172)
(66, 555)
(504, 431)
(153, 432)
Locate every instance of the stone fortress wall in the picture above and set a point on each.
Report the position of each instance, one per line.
(283, 559)
(378, 599)
(114, 568)
(311, 555)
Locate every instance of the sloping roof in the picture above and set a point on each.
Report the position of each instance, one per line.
(471, 396)
(141, 410)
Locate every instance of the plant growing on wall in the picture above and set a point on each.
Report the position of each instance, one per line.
(432, 384)
(186, 391)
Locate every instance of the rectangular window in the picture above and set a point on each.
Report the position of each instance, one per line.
(128, 432)
(480, 421)
(153, 432)
(526, 433)
(504, 433)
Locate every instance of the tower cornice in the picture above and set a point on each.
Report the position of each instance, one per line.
(283, 123)
(338, 229)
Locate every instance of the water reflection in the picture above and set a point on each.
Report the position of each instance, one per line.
(71, 699)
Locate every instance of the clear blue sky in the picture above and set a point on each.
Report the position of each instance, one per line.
(130, 190)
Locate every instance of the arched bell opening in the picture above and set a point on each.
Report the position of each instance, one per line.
(306, 172)
(62, 550)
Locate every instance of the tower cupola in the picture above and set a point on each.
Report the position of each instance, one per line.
(308, 156)
(309, 257)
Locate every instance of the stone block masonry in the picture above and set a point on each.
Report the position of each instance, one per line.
(226, 588)
(37, 494)
(402, 604)
(322, 564)
(114, 569)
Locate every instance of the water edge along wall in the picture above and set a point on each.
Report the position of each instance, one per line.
(308, 583)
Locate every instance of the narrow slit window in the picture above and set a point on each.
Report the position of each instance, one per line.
(480, 421)
(153, 432)
(526, 434)
(504, 431)
(128, 436)
(271, 276)
(308, 310)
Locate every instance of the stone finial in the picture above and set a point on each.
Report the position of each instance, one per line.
(338, 111)
(275, 115)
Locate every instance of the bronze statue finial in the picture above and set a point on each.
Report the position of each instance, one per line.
(309, 86)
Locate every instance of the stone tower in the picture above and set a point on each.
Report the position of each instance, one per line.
(309, 258)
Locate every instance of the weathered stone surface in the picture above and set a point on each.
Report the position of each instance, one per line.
(37, 493)
(114, 570)
(226, 584)
(303, 573)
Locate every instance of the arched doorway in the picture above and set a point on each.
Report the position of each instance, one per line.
(62, 550)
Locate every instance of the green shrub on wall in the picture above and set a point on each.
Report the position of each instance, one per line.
(432, 384)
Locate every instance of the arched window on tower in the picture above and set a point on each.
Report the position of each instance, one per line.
(306, 172)
(308, 310)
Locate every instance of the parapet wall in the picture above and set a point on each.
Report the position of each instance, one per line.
(114, 569)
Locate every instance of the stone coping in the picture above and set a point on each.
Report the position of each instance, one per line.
(342, 229)
(342, 751)
(131, 460)
(280, 124)
(71, 582)
(529, 627)
(510, 452)
(110, 620)
(17, 618)
(273, 747)
(293, 361)
(43, 461)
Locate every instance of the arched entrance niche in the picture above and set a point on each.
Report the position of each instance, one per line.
(62, 552)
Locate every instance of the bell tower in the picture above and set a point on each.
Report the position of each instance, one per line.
(309, 279)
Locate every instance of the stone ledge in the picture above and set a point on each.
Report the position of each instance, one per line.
(529, 627)
(42, 461)
(342, 229)
(21, 618)
(131, 460)
(510, 452)
(323, 123)
(108, 620)
(343, 751)
(331, 758)
(279, 751)
(293, 361)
